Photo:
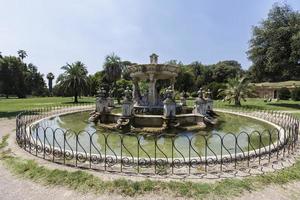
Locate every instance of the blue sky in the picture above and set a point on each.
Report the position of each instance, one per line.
(55, 32)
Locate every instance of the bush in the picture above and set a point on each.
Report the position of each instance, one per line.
(215, 89)
(194, 94)
(284, 94)
(296, 94)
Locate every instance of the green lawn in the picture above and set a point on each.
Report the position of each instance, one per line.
(297, 115)
(12, 106)
(258, 104)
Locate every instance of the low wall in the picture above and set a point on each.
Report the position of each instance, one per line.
(157, 120)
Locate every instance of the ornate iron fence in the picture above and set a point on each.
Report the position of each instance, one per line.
(245, 154)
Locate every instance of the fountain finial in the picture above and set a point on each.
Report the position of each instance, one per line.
(153, 58)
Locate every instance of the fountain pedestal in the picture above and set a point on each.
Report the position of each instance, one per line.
(169, 117)
(200, 104)
(209, 101)
(124, 123)
(102, 110)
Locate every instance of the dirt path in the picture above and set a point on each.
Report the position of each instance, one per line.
(274, 192)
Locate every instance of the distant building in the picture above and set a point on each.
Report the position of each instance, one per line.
(271, 89)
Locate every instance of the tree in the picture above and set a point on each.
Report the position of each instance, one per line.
(284, 94)
(113, 68)
(185, 80)
(125, 74)
(118, 90)
(34, 81)
(22, 54)
(296, 94)
(50, 78)
(12, 76)
(224, 70)
(74, 79)
(237, 89)
(275, 46)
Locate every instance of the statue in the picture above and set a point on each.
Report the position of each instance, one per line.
(200, 103)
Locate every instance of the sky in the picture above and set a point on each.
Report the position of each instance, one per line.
(56, 32)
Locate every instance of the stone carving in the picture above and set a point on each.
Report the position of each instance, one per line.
(151, 72)
(183, 96)
(200, 103)
(101, 102)
(169, 104)
(127, 104)
(101, 111)
(110, 99)
(153, 58)
(209, 100)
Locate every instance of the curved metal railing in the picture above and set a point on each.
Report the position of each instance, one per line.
(111, 152)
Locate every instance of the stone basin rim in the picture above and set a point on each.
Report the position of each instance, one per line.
(218, 158)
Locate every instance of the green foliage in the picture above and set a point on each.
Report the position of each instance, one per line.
(12, 106)
(118, 90)
(35, 84)
(19, 78)
(74, 79)
(113, 67)
(50, 78)
(237, 89)
(125, 73)
(194, 94)
(275, 46)
(296, 94)
(215, 89)
(3, 142)
(185, 80)
(225, 70)
(22, 54)
(284, 94)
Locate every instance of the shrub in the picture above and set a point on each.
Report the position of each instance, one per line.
(284, 94)
(296, 94)
(215, 89)
(194, 94)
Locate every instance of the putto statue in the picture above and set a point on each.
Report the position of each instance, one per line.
(204, 106)
(102, 107)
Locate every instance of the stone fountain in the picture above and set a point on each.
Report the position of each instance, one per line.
(152, 112)
(151, 102)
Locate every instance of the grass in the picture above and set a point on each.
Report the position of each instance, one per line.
(12, 106)
(255, 103)
(297, 115)
(85, 182)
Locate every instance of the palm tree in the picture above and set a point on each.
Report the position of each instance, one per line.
(22, 54)
(74, 79)
(237, 89)
(113, 68)
(50, 78)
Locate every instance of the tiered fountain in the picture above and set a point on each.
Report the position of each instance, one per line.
(153, 112)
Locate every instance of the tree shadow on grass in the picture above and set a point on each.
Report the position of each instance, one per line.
(81, 102)
(243, 106)
(286, 105)
(9, 114)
